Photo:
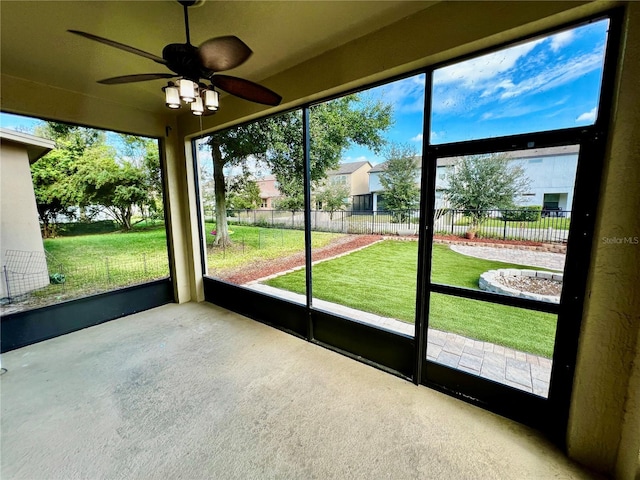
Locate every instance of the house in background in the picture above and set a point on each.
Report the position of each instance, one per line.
(269, 192)
(355, 176)
(551, 171)
(376, 190)
(21, 250)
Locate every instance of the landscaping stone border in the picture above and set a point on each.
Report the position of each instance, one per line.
(488, 282)
(545, 247)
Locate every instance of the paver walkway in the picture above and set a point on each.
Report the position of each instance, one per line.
(553, 261)
(520, 370)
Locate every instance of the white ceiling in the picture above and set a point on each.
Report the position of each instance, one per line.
(36, 46)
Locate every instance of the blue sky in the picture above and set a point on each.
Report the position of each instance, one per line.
(17, 122)
(543, 84)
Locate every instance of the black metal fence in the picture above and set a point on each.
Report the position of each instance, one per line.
(32, 279)
(516, 224)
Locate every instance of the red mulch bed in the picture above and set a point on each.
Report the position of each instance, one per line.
(271, 267)
(340, 245)
(456, 238)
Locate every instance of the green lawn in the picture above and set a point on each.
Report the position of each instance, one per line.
(381, 279)
(100, 262)
(85, 250)
(256, 244)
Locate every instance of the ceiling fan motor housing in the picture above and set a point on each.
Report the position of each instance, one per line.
(183, 59)
(190, 3)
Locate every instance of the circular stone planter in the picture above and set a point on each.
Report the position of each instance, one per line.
(489, 281)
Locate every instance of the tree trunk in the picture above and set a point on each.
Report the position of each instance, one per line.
(126, 216)
(222, 230)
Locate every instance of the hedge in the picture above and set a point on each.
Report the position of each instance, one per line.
(522, 214)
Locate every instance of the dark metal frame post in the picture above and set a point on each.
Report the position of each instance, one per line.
(307, 215)
(425, 245)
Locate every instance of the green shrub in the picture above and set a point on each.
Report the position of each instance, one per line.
(522, 214)
(86, 228)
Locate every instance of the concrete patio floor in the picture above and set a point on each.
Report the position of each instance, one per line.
(520, 370)
(195, 391)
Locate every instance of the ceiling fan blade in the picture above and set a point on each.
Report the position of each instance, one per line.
(140, 77)
(246, 89)
(223, 53)
(121, 46)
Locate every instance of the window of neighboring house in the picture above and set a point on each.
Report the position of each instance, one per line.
(264, 203)
(339, 180)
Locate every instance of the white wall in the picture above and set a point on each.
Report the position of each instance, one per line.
(552, 174)
(19, 226)
(548, 174)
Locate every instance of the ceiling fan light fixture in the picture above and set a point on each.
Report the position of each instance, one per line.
(197, 107)
(190, 64)
(211, 99)
(172, 96)
(188, 90)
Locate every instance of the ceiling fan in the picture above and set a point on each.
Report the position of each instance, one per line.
(191, 65)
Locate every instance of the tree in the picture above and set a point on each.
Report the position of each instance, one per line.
(53, 194)
(334, 197)
(229, 148)
(143, 153)
(53, 173)
(277, 142)
(101, 180)
(400, 181)
(244, 193)
(479, 183)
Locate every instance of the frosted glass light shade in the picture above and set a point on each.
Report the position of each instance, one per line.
(211, 99)
(172, 97)
(187, 90)
(196, 106)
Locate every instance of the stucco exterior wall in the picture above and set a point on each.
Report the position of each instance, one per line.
(19, 226)
(604, 423)
(360, 181)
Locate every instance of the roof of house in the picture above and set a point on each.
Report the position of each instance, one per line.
(381, 167)
(348, 168)
(36, 146)
(522, 154)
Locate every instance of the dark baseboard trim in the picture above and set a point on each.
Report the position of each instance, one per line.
(25, 328)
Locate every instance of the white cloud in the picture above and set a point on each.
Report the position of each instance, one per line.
(589, 116)
(555, 75)
(474, 72)
(406, 95)
(513, 111)
(561, 39)
(438, 136)
(417, 138)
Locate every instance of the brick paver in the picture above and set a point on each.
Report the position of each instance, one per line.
(520, 370)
